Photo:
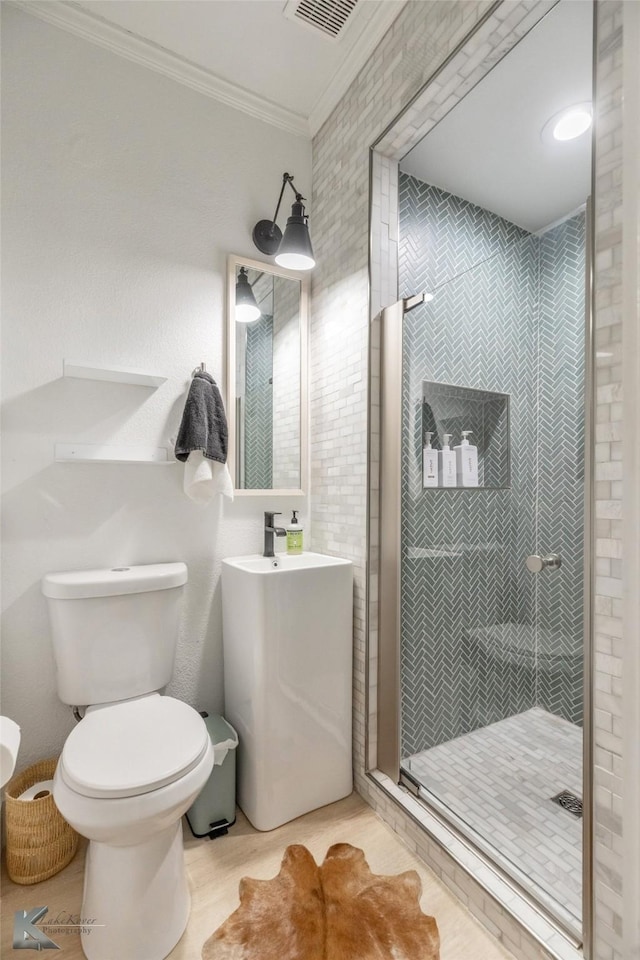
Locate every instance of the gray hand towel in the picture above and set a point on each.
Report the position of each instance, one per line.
(204, 422)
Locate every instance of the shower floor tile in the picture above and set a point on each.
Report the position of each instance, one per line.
(499, 782)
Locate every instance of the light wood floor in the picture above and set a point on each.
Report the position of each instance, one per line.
(215, 868)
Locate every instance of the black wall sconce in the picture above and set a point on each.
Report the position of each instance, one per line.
(247, 309)
(292, 250)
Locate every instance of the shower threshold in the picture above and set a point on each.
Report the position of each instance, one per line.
(496, 785)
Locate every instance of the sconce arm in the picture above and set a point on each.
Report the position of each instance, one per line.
(287, 178)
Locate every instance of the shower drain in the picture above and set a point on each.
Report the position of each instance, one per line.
(569, 802)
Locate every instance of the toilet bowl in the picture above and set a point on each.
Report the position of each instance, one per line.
(136, 761)
(127, 774)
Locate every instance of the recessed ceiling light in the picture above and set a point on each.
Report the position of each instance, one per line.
(570, 123)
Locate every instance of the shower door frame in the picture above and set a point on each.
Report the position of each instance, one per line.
(382, 689)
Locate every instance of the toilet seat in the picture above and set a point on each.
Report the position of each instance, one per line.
(132, 747)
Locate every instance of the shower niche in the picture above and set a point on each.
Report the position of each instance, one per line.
(447, 408)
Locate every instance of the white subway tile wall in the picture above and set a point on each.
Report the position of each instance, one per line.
(609, 661)
(420, 40)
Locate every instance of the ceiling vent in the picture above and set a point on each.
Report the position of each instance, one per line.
(327, 16)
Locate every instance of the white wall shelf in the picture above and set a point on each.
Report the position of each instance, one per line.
(109, 453)
(84, 371)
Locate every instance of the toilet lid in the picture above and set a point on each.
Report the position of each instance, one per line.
(133, 747)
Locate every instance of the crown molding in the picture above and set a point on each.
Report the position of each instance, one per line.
(96, 30)
(361, 48)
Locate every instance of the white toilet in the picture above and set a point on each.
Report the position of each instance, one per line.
(137, 760)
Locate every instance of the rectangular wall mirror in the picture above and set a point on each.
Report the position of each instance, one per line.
(267, 377)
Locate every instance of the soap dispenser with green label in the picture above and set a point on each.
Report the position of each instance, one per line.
(294, 536)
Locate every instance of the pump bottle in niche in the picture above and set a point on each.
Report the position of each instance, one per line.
(447, 464)
(429, 463)
(294, 536)
(466, 462)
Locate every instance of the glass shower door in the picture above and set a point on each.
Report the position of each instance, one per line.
(491, 651)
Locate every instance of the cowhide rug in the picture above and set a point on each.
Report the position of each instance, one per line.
(338, 911)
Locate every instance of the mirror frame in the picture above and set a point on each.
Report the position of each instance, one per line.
(233, 263)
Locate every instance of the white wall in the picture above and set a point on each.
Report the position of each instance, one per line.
(123, 193)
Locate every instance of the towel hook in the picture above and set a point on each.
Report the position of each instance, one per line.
(201, 369)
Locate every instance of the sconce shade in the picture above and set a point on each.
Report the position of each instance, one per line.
(295, 251)
(247, 309)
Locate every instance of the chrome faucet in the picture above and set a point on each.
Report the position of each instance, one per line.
(270, 531)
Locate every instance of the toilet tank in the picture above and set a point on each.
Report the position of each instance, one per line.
(115, 631)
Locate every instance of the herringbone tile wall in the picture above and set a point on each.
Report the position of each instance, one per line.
(560, 473)
(258, 420)
(507, 316)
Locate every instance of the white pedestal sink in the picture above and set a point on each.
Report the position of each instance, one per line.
(287, 627)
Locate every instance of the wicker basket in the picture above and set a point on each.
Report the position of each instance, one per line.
(40, 842)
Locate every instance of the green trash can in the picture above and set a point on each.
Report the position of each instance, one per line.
(214, 809)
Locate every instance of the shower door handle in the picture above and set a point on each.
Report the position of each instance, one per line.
(536, 564)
